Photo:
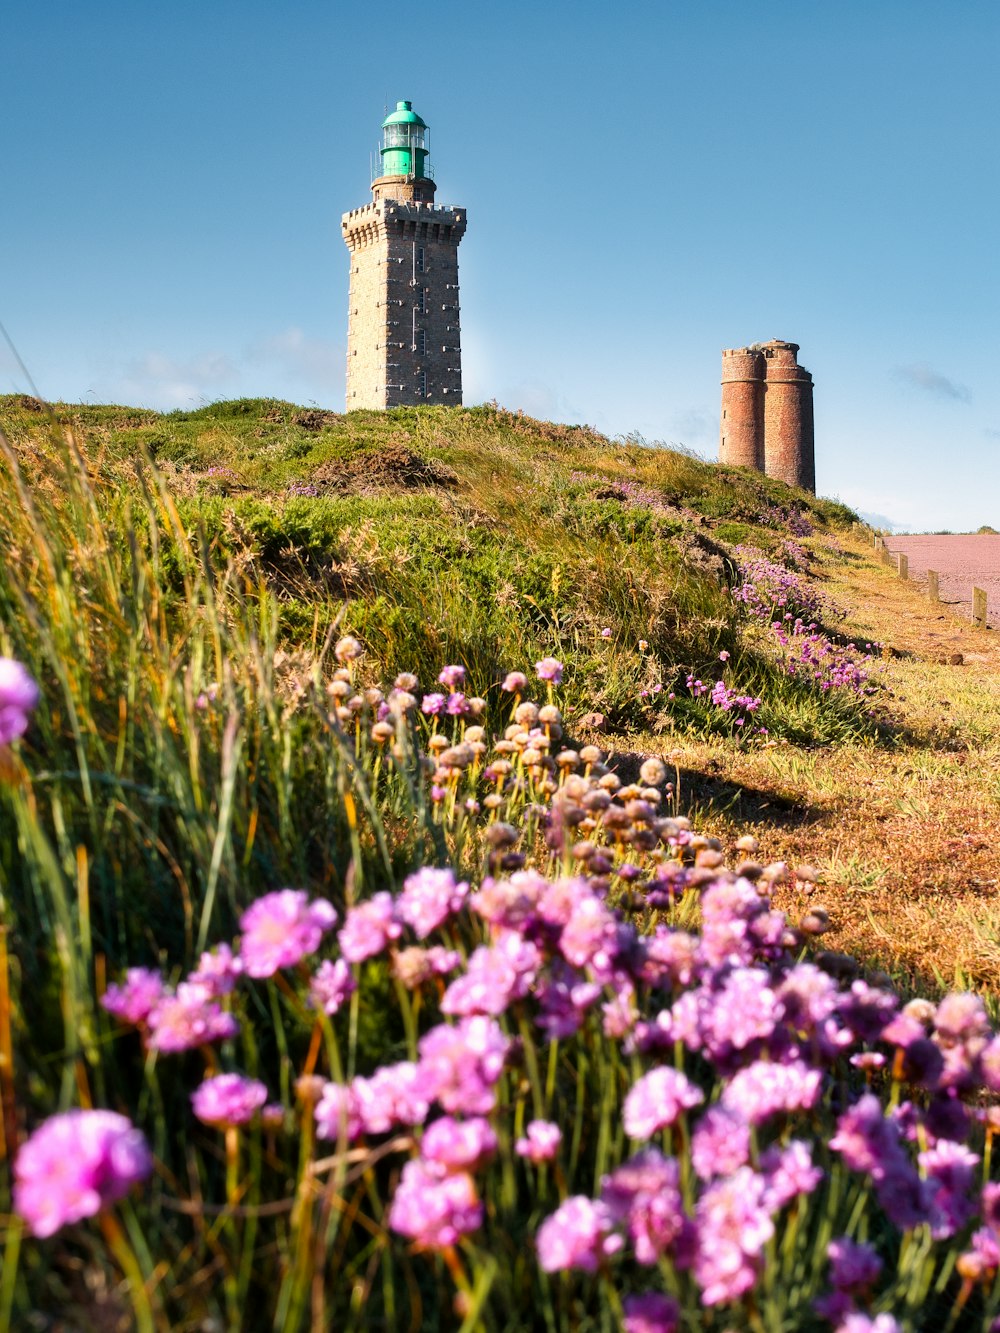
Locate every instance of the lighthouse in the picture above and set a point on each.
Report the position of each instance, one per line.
(403, 330)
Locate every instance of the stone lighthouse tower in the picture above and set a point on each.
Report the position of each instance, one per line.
(403, 338)
(767, 412)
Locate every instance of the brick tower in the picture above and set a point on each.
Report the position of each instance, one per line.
(767, 413)
(403, 339)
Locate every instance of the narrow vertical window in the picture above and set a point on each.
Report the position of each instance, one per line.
(420, 259)
(423, 384)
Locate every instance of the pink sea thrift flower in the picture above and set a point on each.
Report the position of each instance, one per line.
(720, 1143)
(228, 1100)
(644, 1195)
(331, 984)
(650, 1312)
(74, 1165)
(515, 682)
(550, 669)
(18, 696)
(337, 1113)
(577, 1235)
(541, 1141)
(766, 1088)
(494, 977)
(452, 676)
(188, 1018)
(789, 1172)
(393, 1095)
(460, 1065)
(429, 898)
(459, 1145)
(853, 1266)
(434, 1208)
(218, 971)
(733, 1225)
(281, 928)
(368, 928)
(862, 1323)
(134, 999)
(656, 1100)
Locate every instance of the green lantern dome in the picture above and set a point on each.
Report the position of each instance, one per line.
(404, 143)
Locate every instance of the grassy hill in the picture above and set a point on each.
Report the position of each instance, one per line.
(220, 609)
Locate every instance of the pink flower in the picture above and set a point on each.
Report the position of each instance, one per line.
(393, 1095)
(494, 977)
(657, 1100)
(18, 696)
(461, 1064)
(187, 1019)
(541, 1141)
(432, 1208)
(459, 1145)
(332, 983)
(733, 1227)
(280, 929)
(720, 1143)
(228, 1099)
(74, 1165)
(337, 1113)
(136, 997)
(368, 928)
(514, 682)
(429, 897)
(765, 1088)
(452, 676)
(576, 1235)
(606, 633)
(550, 669)
(217, 972)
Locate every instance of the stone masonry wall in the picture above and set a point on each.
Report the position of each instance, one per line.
(404, 335)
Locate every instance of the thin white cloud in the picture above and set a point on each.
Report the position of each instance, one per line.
(164, 380)
(299, 356)
(923, 376)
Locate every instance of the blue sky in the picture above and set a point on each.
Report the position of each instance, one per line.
(646, 184)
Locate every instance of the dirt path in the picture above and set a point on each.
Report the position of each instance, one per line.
(962, 562)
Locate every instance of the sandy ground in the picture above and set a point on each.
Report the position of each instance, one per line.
(962, 562)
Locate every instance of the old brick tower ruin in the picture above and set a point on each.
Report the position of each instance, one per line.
(403, 343)
(767, 413)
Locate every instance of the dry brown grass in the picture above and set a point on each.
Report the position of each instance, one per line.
(904, 835)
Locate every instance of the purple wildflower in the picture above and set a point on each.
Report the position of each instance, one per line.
(494, 977)
(337, 1113)
(549, 669)
(644, 1195)
(720, 1143)
(576, 1235)
(368, 928)
(861, 1323)
(228, 1099)
(950, 1171)
(393, 1095)
(187, 1019)
(434, 1209)
(764, 1089)
(217, 972)
(331, 984)
(515, 682)
(541, 1141)
(136, 997)
(432, 704)
(789, 1172)
(656, 1101)
(650, 1312)
(74, 1165)
(733, 1225)
(18, 696)
(460, 1065)
(280, 929)
(429, 897)
(451, 676)
(459, 1145)
(853, 1266)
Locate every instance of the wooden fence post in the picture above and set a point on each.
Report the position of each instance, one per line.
(902, 565)
(932, 586)
(979, 608)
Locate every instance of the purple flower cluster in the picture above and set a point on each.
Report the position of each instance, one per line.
(19, 695)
